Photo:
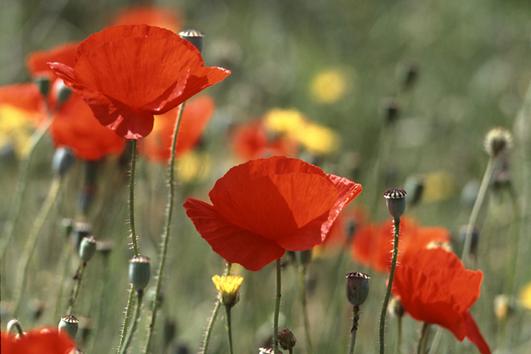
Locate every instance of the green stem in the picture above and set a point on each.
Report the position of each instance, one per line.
(399, 335)
(78, 277)
(131, 334)
(516, 242)
(354, 330)
(277, 306)
(167, 227)
(385, 304)
(476, 208)
(134, 239)
(22, 184)
(127, 317)
(423, 341)
(229, 328)
(32, 241)
(304, 302)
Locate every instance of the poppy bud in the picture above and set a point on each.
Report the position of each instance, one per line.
(43, 84)
(139, 272)
(497, 141)
(414, 187)
(503, 307)
(69, 324)
(396, 308)
(391, 111)
(63, 94)
(395, 198)
(286, 339)
(228, 287)
(81, 230)
(474, 239)
(87, 248)
(357, 287)
(62, 160)
(193, 36)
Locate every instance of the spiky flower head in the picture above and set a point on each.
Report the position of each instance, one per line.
(497, 141)
(228, 287)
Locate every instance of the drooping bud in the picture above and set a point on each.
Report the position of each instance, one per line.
(43, 84)
(228, 287)
(87, 249)
(14, 326)
(139, 272)
(286, 339)
(62, 160)
(357, 287)
(497, 141)
(69, 324)
(193, 36)
(395, 198)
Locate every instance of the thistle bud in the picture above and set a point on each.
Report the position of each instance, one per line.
(193, 36)
(43, 84)
(69, 324)
(395, 199)
(63, 94)
(497, 141)
(87, 248)
(286, 339)
(139, 272)
(81, 230)
(228, 287)
(62, 160)
(357, 287)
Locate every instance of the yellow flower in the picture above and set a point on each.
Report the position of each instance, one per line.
(328, 86)
(193, 166)
(438, 186)
(317, 139)
(525, 296)
(228, 287)
(15, 129)
(286, 121)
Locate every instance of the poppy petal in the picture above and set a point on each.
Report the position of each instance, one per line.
(234, 244)
(202, 78)
(474, 335)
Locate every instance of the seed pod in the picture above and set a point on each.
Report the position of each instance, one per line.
(139, 272)
(69, 324)
(43, 84)
(497, 141)
(62, 160)
(193, 36)
(286, 339)
(395, 198)
(87, 249)
(357, 287)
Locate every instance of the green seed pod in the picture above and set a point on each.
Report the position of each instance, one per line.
(286, 339)
(139, 272)
(43, 84)
(193, 36)
(395, 198)
(357, 287)
(62, 160)
(87, 249)
(69, 324)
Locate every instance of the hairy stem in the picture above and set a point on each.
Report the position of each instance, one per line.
(277, 306)
(132, 170)
(131, 334)
(354, 329)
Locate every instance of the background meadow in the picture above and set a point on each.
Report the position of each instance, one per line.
(341, 64)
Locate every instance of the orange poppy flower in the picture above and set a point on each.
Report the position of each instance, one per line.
(128, 74)
(434, 287)
(157, 145)
(264, 207)
(251, 140)
(373, 244)
(44, 341)
(153, 16)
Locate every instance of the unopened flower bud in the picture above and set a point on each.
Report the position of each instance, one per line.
(228, 287)
(139, 272)
(43, 84)
(63, 94)
(357, 287)
(497, 141)
(395, 308)
(503, 307)
(286, 339)
(193, 36)
(62, 160)
(395, 199)
(69, 324)
(87, 249)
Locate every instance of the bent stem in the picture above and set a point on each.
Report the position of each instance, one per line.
(229, 328)
(396, 223)
(354, 330)
(476, 208)
(32, 241)
(131, 334)
(277, 307)
(167, 226)
(304, 303)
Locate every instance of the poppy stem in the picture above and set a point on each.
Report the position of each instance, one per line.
(127, 317)
(167, 226)
(77, 285)
(423, 341)
(14, 325)
(277, 306)
(130, 335)
(22, 184)
(396, 233)
(304, 302)
(399, 335)
(229, 328)
(354, 329)
(32, 241)
(134, 238)
(213, 316)
(476, 208)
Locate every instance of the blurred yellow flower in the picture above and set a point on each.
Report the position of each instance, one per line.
(438, 186)
(193, 166)
(525, 296)
(328, 86)
(15, 129)
(317, 139)
(286, 121)
(228, 287)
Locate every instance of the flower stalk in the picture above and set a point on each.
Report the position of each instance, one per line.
(277, 305)
(354, 329)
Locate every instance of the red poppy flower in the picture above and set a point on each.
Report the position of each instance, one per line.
(350, 220)
(37, 62)
(45, 341)
(25, 98)
(128, 74)
(75, 127)
(157, 145)
(153, 16)
(435, 287)
(373, 244)
(251, 141)
(264, 207)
